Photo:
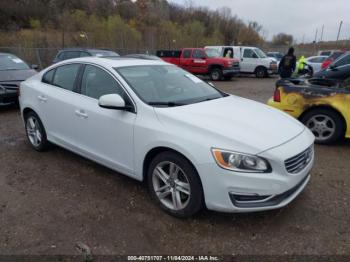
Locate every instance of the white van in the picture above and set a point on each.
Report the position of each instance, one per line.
(252, 59)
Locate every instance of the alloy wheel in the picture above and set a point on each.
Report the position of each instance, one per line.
(171, 185)
(322, 126)
(33, 131)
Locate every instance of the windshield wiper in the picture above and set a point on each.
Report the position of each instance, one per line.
(209, 99)
(169, 104)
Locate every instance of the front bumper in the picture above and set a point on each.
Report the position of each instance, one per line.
(8, 96)
(271, 190)
(272, 71)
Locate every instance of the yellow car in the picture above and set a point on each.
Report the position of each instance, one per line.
(322, 105)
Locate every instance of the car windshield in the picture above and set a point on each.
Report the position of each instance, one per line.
(167, 85)
(11, 62)
(260, 53)
(103, 53)
(212, 52)
(279, 56)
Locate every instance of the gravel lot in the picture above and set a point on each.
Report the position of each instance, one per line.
(50, 201)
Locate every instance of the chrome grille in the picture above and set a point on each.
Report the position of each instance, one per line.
(297, 163)
(9, 86)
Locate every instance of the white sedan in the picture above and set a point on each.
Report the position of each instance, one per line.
(194, 145)
(315, 62)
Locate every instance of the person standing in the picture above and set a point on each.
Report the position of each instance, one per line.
(288, 64)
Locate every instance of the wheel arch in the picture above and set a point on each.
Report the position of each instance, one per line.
(26, 110)
(326, 107)
(260, 66)
(215, 66)
(157, 150)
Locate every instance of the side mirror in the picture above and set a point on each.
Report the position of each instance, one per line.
(113, 101)
(35, 67)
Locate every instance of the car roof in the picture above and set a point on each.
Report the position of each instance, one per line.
(317, 56)
(114, 61)
(84, 49)
(6, 54)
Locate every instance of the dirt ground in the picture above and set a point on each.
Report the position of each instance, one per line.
(50, 201)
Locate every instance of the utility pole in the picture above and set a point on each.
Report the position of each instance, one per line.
(316, 35)
(315, 41)
(321, 39)
(340, 25)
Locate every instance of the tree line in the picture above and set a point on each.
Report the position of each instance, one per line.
(121, 24)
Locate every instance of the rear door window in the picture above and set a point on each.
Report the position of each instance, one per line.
(187, 53)
(198, 54)
(65, 76)
(47, 78)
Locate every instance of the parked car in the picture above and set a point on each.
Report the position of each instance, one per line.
(339, 69)
(277, 55)
(153, 121)
(200, 62)
(252, 59)
(326, 52)
(332, 58)
(143, 56)
(315, 62)
(70, 53)
(13, 71)
(323, 105)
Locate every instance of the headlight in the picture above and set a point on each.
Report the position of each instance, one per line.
(241, 162)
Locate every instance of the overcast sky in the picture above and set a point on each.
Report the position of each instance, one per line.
(297, 17)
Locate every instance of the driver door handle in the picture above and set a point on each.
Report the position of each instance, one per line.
(42, 98)
(81, 113)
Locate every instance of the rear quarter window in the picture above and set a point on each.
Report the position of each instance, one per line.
(65, 76)
(47, 77)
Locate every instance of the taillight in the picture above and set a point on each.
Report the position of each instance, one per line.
(326, 63)
(277, 95)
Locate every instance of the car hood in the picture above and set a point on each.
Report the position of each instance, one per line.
(16, 75)
(235, 120)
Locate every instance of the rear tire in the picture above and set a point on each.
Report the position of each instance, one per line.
(216, 74)
(35, 131)
(327, 126)
(261, 72)
(174, 185)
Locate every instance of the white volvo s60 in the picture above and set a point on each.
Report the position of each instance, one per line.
(194, 145)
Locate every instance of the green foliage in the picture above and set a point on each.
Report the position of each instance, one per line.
(282, 39)
(121, 24)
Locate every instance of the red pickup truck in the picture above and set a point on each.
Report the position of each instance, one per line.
(199, 62)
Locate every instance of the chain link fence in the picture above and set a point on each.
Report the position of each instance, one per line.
(43, 57)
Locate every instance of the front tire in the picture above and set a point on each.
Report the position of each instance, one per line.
(174, 185)
(327, 126)
(261, 72)
(35, 131)
(216, 74)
